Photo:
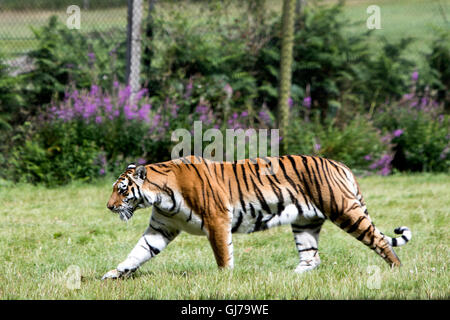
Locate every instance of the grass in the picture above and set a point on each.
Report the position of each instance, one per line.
(418, 19)
(16, 35)
(400, 18)
(44, 231)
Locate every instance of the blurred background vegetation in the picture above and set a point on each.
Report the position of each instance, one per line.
(377, 100)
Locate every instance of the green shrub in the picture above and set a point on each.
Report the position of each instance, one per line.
(54, 156)
(420, 132)
(65, 56)
(439, 63)
(357, 143)
(341, 70)
(205, 51)
(11, 99)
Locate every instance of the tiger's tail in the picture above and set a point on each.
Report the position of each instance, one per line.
(356, 221)
(406, 235)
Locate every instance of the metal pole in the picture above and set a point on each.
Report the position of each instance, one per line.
(134, 45)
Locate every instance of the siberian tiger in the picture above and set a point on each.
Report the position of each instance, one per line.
(216, 199)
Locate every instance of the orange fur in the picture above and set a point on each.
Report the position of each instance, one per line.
(213, 192)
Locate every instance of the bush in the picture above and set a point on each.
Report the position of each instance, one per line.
(339, 70)
(65, 56)
(439, 63)
(207, 51)
(54, 157)
(420, 131)
(357, 144)
(90, 133)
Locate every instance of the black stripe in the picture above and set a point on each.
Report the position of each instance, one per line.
(151, 168)
(244, 176)
(345, 224)
(153, 251)
(307, 249)
(283, 168)
(258, 174)
(316, 182)
(295, 201)
(241, 195)
(221, 169)
(355, 225)
(238, 222)
(166, 234)
(279, 195)
(171, 194)
(218, 203)
(261, 198)
(307, 226)
(362, 235)
(258, 224)
(203, 184)
(252, 210)
(394, 242)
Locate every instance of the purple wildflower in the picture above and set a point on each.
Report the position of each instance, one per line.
(307, 102)
(397, 133)
(143, 113)
(174, 110)
(290, 102)
(264, 117)
(317, 147)
(368, 157)
(124, 94)
(423, 102)
(91, 56)
(408, 96)
(385, 171)
(415, 76)
(189, 87)
(129, 114)
(386, 138)
(383, 164)
(228, 90)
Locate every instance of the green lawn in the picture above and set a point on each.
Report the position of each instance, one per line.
(44, 231)
(399, 18)
(16, 35)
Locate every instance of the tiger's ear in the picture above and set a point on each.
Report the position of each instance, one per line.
(140, 173)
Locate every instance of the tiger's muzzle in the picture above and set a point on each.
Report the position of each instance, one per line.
(125, 212)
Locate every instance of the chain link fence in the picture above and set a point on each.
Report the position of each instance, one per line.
(18, 19)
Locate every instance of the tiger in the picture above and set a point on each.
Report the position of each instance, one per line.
(216, 199)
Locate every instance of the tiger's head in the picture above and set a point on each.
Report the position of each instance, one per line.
(127, 194)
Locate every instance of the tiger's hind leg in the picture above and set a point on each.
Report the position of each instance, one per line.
(306, 236)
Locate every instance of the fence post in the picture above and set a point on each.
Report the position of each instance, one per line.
(134, 45)
(148, 41)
